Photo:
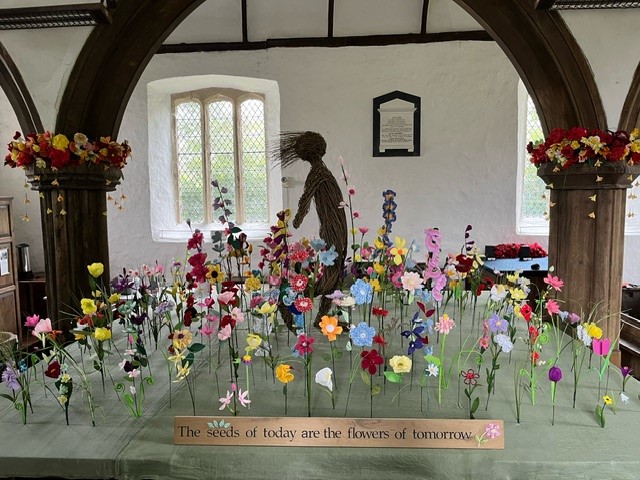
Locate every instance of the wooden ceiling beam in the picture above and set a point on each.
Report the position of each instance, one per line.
(245, 31)
(425, 13)
(330, 17)
(544, 4)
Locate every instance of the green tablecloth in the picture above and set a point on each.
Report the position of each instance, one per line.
(122, 447)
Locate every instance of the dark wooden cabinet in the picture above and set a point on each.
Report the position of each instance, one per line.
(9, 299)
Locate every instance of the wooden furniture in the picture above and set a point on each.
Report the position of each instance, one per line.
(9, 301)
(33, 301)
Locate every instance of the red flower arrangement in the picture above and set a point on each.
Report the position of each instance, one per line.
(46, 150)
(512, 250)
(592, 147)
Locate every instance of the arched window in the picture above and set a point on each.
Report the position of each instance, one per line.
(226, 143)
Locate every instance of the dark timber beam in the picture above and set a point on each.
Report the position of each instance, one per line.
(630, 116)
(15, 89)
(245, 31)
(330, 15)
(425, 13)
(333, 42)
(544, 4)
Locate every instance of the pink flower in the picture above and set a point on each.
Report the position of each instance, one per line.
(601, 347)
(207, 302)
(274, 280)
(32, 321)
(304, 345)
(352, 191)
(303, 304)
(356, 214)
(242, 397)
(432, 240)
(226, 298)
(552, 307)
(553, 282)
(492, 430)
(226, 401)
(484, 342)
(237, 315)
(211, 318)
(43, 326)
(135, 373)
(445, 324)
(363, 230)
(299, 282)
(207, 330)
(411, 281)
(225, 332)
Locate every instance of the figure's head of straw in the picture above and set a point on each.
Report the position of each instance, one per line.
(307, 146)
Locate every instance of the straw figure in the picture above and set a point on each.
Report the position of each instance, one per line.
(321, 187)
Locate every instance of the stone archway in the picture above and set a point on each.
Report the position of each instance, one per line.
(19, 97)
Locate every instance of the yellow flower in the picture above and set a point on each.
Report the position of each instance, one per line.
(379, 244)
(517, 294)
(357, 257)
(102, 334)
(400, 364)
(267, 308)
(253, 341)
(283, 374)
(607, 400)
(177, 358)
(354, 230)
(513, 277)
(115, 298)
(215, 274)
(183, 371)
(330, 327)
(65, 378)
(182, 339)
(398, 250)
(246, 358)
(95, 269)
(88, 306)
(379, 268)
(60, 142)
(63, 399)
(79, 336)
(594, 331)
(516, 310)
(375, 285)
(382, 231)
(252, 284)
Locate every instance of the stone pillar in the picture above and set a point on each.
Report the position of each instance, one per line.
(73, 207)
(586, 237)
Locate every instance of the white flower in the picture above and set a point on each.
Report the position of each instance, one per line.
(498, 292)
(347, 301)
(323, 377)
(411, 281)
(583, 335)
(132, 389)
(432, 370)
(624, 398)
(134, 373)
(504, 342)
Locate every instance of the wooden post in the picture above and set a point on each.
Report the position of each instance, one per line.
(586, 238)
(73, 207)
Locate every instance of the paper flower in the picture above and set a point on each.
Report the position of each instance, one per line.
(445, 324)
(95, 269)
(330, 327)
(400, 364)
(102, 334)
(88, 306)
(601, 347)
(304, 344)
(411, 281)
(497, 324)
(283, 373)
(370, 360)
(362, 292)
(43, 326)
(504, 342)
(554, 282)
(362, 335)
(323, 377)
(431, 370)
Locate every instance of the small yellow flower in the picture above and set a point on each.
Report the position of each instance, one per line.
(246, 358)
(183, 371)
(63, 399)
(513, 278)
(182, 339)
(382, 231)
(398, 250)
(283, 373)
(102, 334)
(88, 306)
(594, 331)
(177, 358)
(267, 308)
(79, 337)
(252, 284)
(379, 268)
(60, 142)
(375, 285)
(253, 341)
(215, 274)
(95, 269)
(607, 400)
(517, 294)
(66, 378)
(114, 298)
(400, 364)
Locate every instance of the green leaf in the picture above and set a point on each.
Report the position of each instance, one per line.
(345, 314)
(188, 359)
(432, 359)
(393, 377)
(349, 347)
(600, 415)
(96, 365)
(326, 357)
(375, 390)
(365, 377)
(475, 405)
(196, 347)
(8, 397)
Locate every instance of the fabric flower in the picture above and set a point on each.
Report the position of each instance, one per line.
(304, 344)
(43, 326)
(181, 339)
(225, 332)
(226, 400)
(504, 342)
(283, 373)
(582, 334)
(601, 347)
(552, 307)
(445, 324)
(362, 335)
(497, 324)
(102, 334)
(607, 400)
(330, 327)
(554, 282)
(242, 397)
(498, 292)
(400, 364)
(411, 281)
(594, 331)
(95, 269)
(10, 378)
(32, 321)
(299, 282)
(328, 257)
(323, 377)
(398, 250)
(470, 377)
(88, 306)
(555, 374)
(303, 304)
(431, 370)
(370, 361)
(362, 292)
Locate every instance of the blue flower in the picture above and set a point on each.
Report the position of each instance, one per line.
(318, 244)
(289, 296)
(328, 257)
(497, 324)
(362, 335)
(362, 292)
(299, 320)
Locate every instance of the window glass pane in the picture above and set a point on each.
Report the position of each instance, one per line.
(222, 149)
(189, 150)
(534, 194)
(254, 161)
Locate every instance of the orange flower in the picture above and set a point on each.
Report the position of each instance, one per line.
(330, 328)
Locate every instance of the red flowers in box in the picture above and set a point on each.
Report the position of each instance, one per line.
(512, 250)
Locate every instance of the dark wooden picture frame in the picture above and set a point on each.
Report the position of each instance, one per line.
(413, 151)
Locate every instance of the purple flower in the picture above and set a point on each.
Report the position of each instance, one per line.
(573, 318)
(497, 324)
(625, 371)
(555, 374)
(10, 378)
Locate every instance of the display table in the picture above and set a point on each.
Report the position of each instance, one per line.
(122, 447)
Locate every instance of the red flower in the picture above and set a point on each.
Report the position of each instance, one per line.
(53, 370)
(464, 263)
(379, 340)
(303, 304)
(470, 377)
(535, 356)
(304, 345)
(228, 320)
(60, 158)
(370, 360)
(533, 334)
(526, 311)
(195, 242)
(380, 312)
(299, 282)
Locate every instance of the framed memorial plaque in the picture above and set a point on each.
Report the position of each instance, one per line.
(396, 125)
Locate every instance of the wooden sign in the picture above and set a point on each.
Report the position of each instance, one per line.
(339, 432)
